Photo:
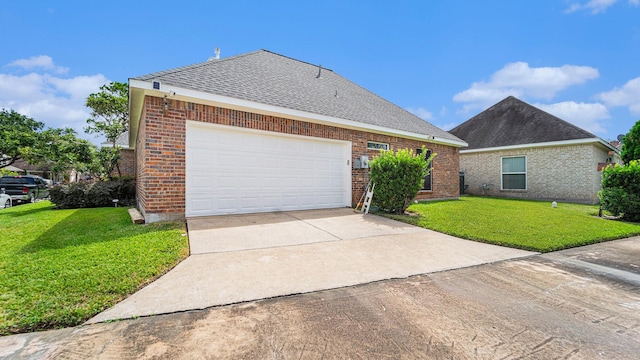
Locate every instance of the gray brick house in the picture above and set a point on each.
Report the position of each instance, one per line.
(517, 150)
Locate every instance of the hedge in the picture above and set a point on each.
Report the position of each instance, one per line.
(620, 192)
(94, 194)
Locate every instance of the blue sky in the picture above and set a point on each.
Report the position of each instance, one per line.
(443, 60)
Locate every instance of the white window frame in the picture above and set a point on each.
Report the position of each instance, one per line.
(385, 146)
(502, 173)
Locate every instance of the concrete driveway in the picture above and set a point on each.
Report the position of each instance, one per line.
(250, 257)
(582, 303)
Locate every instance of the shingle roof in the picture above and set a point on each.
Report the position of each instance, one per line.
(269, 78)
(122, 140)
(514, 122)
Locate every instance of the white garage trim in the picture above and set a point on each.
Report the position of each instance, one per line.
(232, 170)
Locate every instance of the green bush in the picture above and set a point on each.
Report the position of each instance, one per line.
(94, 194)
(631, 144)
(5, 172)
(620, 192)
(398, 177)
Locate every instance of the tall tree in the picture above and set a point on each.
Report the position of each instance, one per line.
(109, 117)
(62, 150)
(18, 135)
(109, 111)
(631, 144)
(22, 138)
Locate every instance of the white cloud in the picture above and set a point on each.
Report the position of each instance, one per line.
(520, 80)
(50, 98)
(43, 62)
(597, 6)
(421, 112)
(584, 115)
(628, 95)
(448, 126)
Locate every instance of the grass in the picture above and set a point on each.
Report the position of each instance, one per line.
(59, 268)
(523, 224)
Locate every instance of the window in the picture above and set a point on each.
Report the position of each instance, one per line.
(428, 181)
(372, 145)
(514, 173)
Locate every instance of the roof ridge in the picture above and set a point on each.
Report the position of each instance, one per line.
(195, 65)
(294, 59)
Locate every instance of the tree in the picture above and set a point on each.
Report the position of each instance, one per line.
(109, 117)
(109, 111)
(105, 160)
(18, 134)
(22, 138)
(398, 178)
(59, 150)
(620, 193)
(63, 150)
(631, 144)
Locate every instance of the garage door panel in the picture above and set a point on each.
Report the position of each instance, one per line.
(250, 203)
(203, 181)
(226, 182)
(271, 202)
(200, 205)
(227, 203)
(232, 170)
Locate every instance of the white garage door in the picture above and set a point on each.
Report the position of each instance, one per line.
(234, 171)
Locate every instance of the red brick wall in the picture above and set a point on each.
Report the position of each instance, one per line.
(160, 149)
(141, 166)
(160, 152)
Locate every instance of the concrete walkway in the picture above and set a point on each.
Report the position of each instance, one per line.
(249, 257)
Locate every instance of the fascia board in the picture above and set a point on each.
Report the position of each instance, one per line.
(543, 144)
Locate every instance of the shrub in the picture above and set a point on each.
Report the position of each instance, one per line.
(631, 144)
(620, 192)
(398, 177)
(5, 172)
(94, 194)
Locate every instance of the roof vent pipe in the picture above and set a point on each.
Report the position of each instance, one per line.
(217, 56)
(319, 72)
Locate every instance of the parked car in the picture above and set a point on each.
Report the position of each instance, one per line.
(5, 200)
(24, 188)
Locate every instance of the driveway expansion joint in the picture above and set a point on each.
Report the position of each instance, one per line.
(319, 228)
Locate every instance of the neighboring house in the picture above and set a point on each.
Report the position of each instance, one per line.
(42, 170)
(262, 132)
(15, 169)
(127, 161)
(518, 150)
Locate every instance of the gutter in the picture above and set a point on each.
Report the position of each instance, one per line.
(544, 144)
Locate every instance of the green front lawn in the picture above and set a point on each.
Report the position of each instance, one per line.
(530, 225)
(60, 267)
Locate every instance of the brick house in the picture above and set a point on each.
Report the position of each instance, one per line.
(517, 150)
(262, 132)
(127, 162)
